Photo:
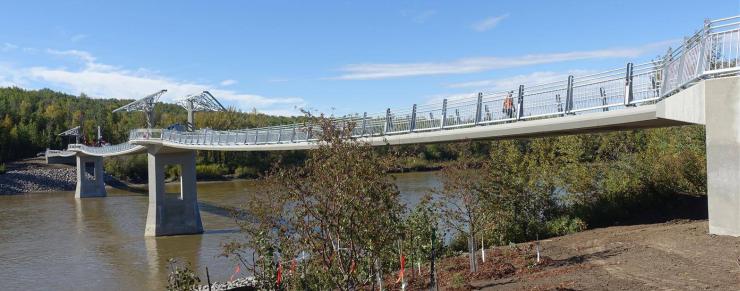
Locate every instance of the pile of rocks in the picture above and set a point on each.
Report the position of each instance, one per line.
(38, 180)
(238, 284)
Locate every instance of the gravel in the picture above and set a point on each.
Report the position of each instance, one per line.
(38, 180)
(219, 286)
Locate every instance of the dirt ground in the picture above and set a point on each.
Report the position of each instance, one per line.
(676, 255)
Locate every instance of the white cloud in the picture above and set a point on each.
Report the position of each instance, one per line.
(78, 37)
(6, 47)
(228, 82)
(82, 55)
(423, 16)
(480, 64)
(489, 22)
(102, 80)
(511, 83)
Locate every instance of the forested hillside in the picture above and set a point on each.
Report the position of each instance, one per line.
(32, 120)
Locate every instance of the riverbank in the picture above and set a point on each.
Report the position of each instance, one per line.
(34, 175)
(675, 255)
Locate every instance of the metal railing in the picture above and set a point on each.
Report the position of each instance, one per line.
(711, 52)
(109, 149)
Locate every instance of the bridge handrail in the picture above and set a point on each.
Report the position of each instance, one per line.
(712, 51)
(145, 134)
(107, 149)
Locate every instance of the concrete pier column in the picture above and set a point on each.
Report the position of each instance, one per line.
(90, 177)
(722, 104)
(172, 213)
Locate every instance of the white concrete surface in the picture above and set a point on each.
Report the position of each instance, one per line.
(723, 154)
(172, 214)
(93, 186)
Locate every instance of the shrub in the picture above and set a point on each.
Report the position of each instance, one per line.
(181, 277)
(338, 216)
(210, 171)
(129, 168)
(246, 172)
(457, 281)
(564, 225)
(2, 168)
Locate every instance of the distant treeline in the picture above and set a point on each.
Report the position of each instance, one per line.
(32, 119)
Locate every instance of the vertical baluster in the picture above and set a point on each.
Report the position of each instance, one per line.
(292, 134)
(704, 39)
(478, 107)
(666, 62)
(681, 63)
(569, 96)
(628, 97)
(364, 123)
(387, 121)
(412, 126)
(520, 103)
(444, 114)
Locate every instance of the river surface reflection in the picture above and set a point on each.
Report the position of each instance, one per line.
(52, 241)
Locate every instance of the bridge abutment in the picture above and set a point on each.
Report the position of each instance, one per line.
(722, 108)
(90, 177)
(172, 214)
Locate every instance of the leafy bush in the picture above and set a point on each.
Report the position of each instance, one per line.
(210, 171)
(246, 172)
(128, 168)
(2, 168)
(457, 281)
(564, 225)
(338, 218)
(421, 226)
(181, 277)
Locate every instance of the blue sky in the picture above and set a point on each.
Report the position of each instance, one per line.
(339, 56)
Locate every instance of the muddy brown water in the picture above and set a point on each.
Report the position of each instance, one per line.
(52, 241)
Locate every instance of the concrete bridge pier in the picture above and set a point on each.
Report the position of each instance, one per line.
(722, 108)
(172, 213)
(90, 177)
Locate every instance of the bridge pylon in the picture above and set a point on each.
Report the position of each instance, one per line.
(90, 177)
(172, 213)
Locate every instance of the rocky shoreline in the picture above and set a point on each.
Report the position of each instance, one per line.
(38, 179)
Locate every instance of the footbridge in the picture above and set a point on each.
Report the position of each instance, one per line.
(696, 83)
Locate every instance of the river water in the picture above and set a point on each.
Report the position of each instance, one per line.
(52, 241)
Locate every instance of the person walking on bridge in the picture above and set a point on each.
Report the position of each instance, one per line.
(508, 108)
